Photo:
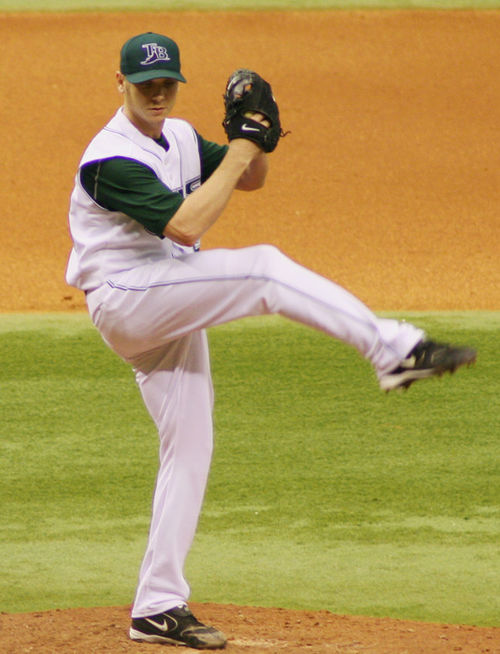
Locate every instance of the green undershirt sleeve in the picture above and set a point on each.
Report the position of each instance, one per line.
(120, 184)
(211, 154)
(131, 187)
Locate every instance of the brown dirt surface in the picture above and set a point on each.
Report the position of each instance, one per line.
(250, 630)
(388, 183)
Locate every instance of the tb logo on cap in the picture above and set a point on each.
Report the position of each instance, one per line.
(154, 53)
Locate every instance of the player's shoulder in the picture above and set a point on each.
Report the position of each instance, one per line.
(179, 126)
(177, 120)
(106, 144)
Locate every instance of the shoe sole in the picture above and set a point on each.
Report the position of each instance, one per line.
(405, 378)
(140, 637)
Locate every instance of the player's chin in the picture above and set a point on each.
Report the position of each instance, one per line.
(158, 113)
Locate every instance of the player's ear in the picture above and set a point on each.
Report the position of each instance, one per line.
(120, 81)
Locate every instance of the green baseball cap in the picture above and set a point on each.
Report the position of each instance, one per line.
(148, 56)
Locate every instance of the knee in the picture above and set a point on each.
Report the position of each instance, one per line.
(268, 258)
(268, 250)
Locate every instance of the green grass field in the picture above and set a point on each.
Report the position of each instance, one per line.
(324, 493)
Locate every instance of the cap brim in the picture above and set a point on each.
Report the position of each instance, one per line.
(145, 76)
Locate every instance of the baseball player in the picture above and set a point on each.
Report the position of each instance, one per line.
(147, 188)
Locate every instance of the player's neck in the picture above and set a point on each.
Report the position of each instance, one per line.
(153, 130)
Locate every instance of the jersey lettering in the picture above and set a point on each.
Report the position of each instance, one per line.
(193, 185)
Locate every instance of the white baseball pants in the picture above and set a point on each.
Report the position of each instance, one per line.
(154, 317)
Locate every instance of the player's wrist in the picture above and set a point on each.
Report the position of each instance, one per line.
(243, 150)
(244, 146)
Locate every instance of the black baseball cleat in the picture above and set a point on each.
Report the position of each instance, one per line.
(178, 626)
(427, 359)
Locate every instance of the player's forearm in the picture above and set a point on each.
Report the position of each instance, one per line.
(200, 209)
(255, 174)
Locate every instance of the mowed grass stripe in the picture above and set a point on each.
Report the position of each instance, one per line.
(324, 492)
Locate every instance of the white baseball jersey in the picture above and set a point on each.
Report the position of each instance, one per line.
(107, 242)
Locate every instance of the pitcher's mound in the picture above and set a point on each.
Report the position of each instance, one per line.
(249, 630)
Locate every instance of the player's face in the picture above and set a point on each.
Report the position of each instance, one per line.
(148, 104)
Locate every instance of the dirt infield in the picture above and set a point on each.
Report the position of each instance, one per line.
(388, 183)
(250, 630)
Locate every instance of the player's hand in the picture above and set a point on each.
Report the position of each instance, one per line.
(259, 118)
(251, 147)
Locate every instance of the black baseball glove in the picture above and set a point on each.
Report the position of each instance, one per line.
(247, 93)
